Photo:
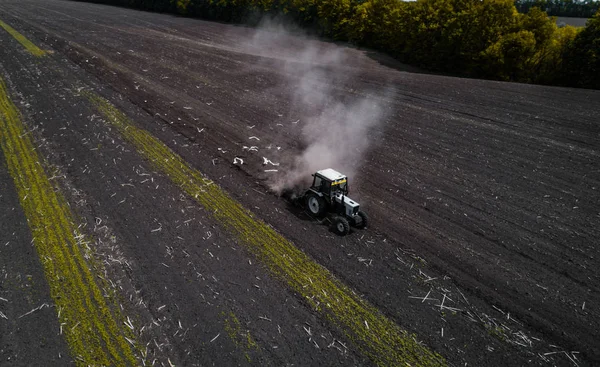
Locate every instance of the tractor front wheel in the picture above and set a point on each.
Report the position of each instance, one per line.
(341, 226)
(316, 205)
(364, 220)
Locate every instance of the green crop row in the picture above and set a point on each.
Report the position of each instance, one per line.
(91, 327)
(27, 44)
(372, 333)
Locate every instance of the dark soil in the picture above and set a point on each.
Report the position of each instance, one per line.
(481, 195)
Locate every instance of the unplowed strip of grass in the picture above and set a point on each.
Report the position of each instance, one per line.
(375, 335)
(88, 324)
(29, 46)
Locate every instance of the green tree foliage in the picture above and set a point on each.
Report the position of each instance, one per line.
(581, 57)
(508, 58)
(451, 35)
(563, 8)
(483, 38)
(182, 6)
(548, 65)
(380, 24)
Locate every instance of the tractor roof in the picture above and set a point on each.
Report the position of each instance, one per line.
(331, 174)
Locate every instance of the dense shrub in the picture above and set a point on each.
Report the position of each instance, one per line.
(581, 57)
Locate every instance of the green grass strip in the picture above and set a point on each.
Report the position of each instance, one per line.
(240, 337)
(29, 46)
(376, 336)
(89, 325)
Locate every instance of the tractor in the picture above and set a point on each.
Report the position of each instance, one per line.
(328, 195)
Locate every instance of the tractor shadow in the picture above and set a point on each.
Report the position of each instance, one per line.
(298, 209)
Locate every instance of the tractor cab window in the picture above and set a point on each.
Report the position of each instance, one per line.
(322, 185)
(343, 187)
(325, 187)
(340, 186)
(317, 182)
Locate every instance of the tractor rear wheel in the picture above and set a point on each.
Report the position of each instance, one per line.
(364, 220)
(316, 205)
(341, 226)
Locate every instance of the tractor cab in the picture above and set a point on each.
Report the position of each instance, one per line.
(330, 182)
(329, 194)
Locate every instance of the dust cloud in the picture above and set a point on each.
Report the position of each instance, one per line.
(335, 121)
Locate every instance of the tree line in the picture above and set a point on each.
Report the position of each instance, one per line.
(484, 38)
(561, 8)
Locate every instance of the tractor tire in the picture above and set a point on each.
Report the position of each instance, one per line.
(341, 226)
(364, 220)
(316, 205)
